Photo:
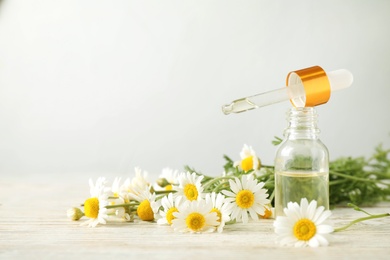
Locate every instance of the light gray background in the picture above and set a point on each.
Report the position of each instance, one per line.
(99, 87)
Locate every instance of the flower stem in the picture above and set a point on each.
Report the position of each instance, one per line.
(220, 187)
(215, 180)
(370, 216)
(354, 177)
(158, 192)
(360, 220)
(121, 205)
(337, 182)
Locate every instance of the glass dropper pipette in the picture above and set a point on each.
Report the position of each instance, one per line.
(307, 87)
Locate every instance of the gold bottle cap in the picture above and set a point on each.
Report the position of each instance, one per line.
(316, 85)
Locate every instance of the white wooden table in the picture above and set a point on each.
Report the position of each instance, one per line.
(34, 225)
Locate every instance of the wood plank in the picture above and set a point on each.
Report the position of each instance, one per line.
(33, 224)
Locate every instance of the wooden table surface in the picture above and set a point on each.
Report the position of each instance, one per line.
(34, 225)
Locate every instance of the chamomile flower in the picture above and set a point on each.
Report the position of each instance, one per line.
(195, 217)
(119, 196)
(148, 206)
(170, 205)
(303, 225)
(247, 196)
(166, 180)
(249, 160)
(95, 207)
(138, 182)
(190, 186)
(221, 207)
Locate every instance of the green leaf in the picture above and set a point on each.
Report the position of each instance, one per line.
(277, 141)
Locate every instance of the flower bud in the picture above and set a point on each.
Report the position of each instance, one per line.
(74, 214)
(162, 182)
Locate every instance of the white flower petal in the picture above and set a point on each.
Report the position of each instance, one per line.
(318, 213)
(288, 240)
(283, 230)
(323, 217)
(253, 214)
(313, 242)
(311, 210)
(244, 215)
(259, 209)
(303, 207)
(324, 229)
(300, 243)
(292, 214)
(234, 185)
(322, 240)
(228, 193)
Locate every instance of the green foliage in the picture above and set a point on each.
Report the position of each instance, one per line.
(351, 180)
(360, 181)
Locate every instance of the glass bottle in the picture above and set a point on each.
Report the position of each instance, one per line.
(302, 162)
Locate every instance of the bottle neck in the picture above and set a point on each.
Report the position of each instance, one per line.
(302, 123)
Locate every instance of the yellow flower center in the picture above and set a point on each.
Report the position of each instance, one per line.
(91, 208)
(247, 163)
(144, 211)
(245, 199)
(170, 215)
(219, 214)
(267, 213)
(191, 192)
(304, 229)
(195, 221)
(168, 187)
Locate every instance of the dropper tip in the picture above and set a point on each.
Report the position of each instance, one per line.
(227, 109)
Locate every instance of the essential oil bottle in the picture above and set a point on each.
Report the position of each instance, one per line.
(302, 162)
